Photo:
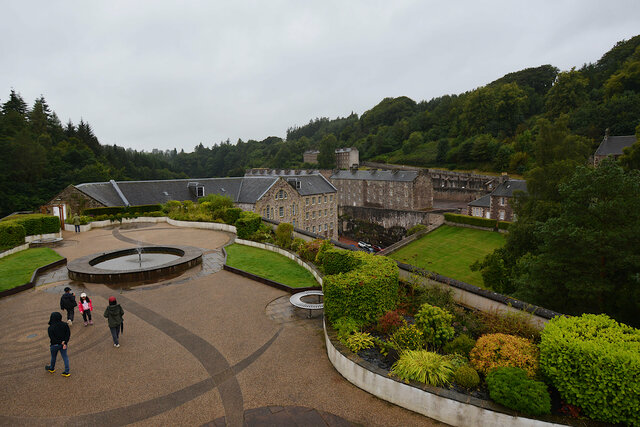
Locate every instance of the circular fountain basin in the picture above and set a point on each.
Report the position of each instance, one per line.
(144, 264)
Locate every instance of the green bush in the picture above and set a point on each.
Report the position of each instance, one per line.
(500, 350)
(34, 224)
(264, 234)
(466, 377)
(423, 366)
(247, 224)
(462, 345)
(390, 321)
(135, 211)
(216, 201)
(364, 293)
(594, 362)
(283, 235)
(11, 234)
(309, 250)
(112, 210)
(512, 388)
(338, 261)
(297, 244)
(435, 324)
(345, 326)
(407, 337)
(476, 221)
(416, 228)
(359, 341)
(231, 215)
(324, 247)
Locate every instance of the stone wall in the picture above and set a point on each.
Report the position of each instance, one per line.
(75, 200)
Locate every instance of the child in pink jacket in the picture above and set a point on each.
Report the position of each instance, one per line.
(85, 307)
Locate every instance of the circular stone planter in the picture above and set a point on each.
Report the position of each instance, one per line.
(84, 269)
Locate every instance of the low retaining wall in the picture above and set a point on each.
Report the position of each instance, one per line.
(48, 236)
(404, 242)
(440, 404)
(150, 219)
(14, 250)
(457, 224)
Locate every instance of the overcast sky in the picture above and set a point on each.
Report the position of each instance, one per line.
(172, 74)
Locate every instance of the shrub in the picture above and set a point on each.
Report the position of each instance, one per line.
(415, 229)
(476, 221)
(336, 261)
(297, 244)
(435, 324)
(283, 235)
(390, 321)
(594, 362)
(34, 224)
(512, 388)
(264, 234)
(231, 215)
(247, 224)
(216, 201)
(462, 345)
(424, 366)
(324, 247)
(407, 337)
(511, 323)
(500, 350)
(111, 210)
(359, 341)
(345, 326)
(466, 377)
(364, 293)
(309, 250)
(11, 234)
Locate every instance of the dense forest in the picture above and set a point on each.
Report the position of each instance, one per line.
(491, 128)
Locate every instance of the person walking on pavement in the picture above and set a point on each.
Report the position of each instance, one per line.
(85, 307)
(76, 223)
(114, 313)
(68, 302)
(59, 334)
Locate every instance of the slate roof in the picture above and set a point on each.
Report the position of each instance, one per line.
(483, 202)
(507, 188)
(613, 145)
(377, 175)
(345, 150)
(246, 189)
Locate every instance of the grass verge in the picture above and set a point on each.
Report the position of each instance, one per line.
(16, 269)
(269, 265)
(450, 251)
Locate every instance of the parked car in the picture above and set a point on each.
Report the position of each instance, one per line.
(364, 245)
(376, 248)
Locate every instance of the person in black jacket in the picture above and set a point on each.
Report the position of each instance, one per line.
(114, 313)
(59, 334)
(68, 302)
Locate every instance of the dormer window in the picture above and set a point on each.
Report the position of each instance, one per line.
(200, 191)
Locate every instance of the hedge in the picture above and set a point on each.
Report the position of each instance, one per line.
(364, 293)
(512, 388)
(36, 223)
(476, 221)
(247, 224)
(339, 261)
(112, 210)
(11, 234)
(594, 362)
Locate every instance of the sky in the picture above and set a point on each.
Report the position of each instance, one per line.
(173, 74)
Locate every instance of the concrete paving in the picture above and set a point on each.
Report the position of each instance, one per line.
(205, 348)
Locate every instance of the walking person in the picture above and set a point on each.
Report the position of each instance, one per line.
(59, 334)
(76, 223)
(68, 302)
(85, 307)
(114, 313)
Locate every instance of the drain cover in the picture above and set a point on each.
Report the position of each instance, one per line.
(32, 335)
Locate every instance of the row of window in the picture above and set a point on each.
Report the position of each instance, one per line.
(319, 213)
(319, 228)
(281, 195)
(312, 200)
(269, 211)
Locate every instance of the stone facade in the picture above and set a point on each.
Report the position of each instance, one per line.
(310, 156)
(346, 158)
(501, 208)
(396, 194)
(75, 201)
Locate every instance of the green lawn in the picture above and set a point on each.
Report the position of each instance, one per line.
(16, 269)
(450, 251)
(269, 265)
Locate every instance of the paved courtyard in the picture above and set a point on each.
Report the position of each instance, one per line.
(205, 348)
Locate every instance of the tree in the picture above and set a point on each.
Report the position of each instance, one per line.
(568, 93)
(630, 158)
(589, 257)
(327, 156)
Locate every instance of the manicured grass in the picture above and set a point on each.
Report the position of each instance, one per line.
(16, 269)
(269, 265)
(450, 251)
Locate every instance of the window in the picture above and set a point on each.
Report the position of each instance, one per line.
(325, 212)
(314, 228)
(325, 199)
(313, 200)
(293, 209)
(326, 227)
(267, 211)
(281, 211)
(331, 211)
(501, 215)
(487, 214)
(331, 226)
(306, 215)
(306, 201)
(476, 212)
(294, 223)
(306, 228)
(285, 195)
(313, 214)
(200, 191)
(502, 201)
(331, 197)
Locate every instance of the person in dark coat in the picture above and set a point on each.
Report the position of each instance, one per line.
(68, 302)
(59, 334)
(114, 313)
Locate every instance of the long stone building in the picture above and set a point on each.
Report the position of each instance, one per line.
(308, 201)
